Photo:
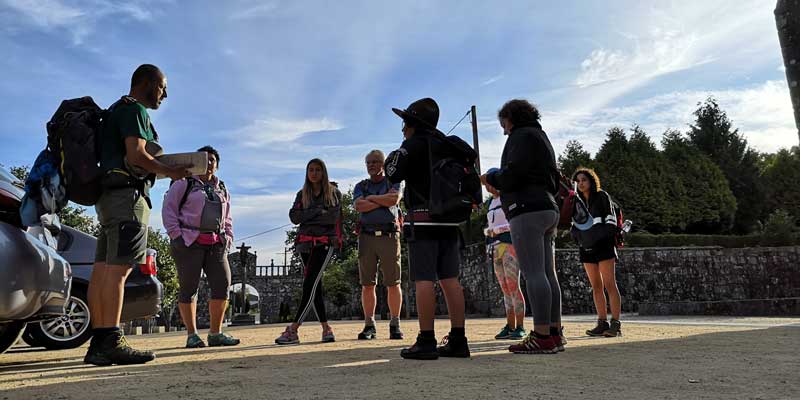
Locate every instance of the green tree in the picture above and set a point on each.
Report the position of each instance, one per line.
(780, 229)
(574, 156)
(710, 205)
(167, 272)
(781, 176)
(713, 134)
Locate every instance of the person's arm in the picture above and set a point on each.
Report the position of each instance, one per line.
(396, 165)
(169, 209)
(360, 203)
(228, 222)
(138, 156)
(520, 162)
(298, 214)
(389, 199)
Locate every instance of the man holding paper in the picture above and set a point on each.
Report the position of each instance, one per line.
(123, 211)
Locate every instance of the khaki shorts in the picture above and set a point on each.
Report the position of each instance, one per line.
(374, 250)
(123, 215)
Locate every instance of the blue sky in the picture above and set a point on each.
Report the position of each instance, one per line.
(273, 84)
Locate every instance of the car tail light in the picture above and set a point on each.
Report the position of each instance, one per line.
(149, 267)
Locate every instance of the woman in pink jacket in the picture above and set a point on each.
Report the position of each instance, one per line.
(197, 216)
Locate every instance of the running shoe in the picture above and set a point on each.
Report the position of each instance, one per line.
(222, 339)
(505, 333)
(288, 337)
(532, 344)
(517, 334)
(559, 339)
(368, 333)
(602, 326)
(194, 342)
(395, 333)
(327, 336)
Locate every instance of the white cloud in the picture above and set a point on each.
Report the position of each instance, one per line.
(492, 80)
(256, 11)
(270, 131)
(78, 18)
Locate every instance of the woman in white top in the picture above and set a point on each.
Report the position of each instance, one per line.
(506, 268)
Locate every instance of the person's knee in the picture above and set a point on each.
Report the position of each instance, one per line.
(186, 296)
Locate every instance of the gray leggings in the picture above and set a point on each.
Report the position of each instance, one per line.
(533, 235)
(191, 260)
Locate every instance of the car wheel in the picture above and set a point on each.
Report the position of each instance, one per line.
(9, 334)
(29, 339)
(68, 331)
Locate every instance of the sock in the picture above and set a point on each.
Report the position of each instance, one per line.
(369, 321)
(98, 334)
(431, 335)
(555, 331)
(457, 332)
(538, 336)
(395, 321)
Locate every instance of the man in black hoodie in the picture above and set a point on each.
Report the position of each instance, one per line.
(434, 247)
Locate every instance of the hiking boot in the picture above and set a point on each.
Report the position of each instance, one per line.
(423, 349)
(288, 337)
(518, 333)
(532, 344)
(505, 333)
(222, 339)
(119, 352)
(94, 355)
(368, 333)
(194, 342)
(602, 326)
(559, 339)
(327, 336)
(454, 347)
(614, 330)
(395, 333)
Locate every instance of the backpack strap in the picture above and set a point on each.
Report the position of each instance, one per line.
(189, 185)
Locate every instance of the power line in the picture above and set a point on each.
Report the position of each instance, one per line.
(265, 232)
(459, 121)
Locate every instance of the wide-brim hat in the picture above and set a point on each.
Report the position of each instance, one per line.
(423, 112)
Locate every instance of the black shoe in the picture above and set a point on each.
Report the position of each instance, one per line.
(395, 333)
(116, 348)
(602, 326)
(423, 349)
(95, 356)
(368, 333)
(614, 330)
(454, 347)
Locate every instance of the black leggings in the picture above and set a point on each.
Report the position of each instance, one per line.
(312, 276)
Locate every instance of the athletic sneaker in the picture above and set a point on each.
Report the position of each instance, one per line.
(505, 333)
(533, 344)
(454, 347)
(518, 333)
(288, 337)
(395, 333)
(194, 342)
(222, 339)
(423, 349)
(602, 326)
(115, 349)
(614, 330)
(368, 333)
(328, 337)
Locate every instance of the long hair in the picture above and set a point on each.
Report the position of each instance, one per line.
(594, 180)
(329, 199)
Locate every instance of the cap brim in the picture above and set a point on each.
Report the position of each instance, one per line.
(400, 113)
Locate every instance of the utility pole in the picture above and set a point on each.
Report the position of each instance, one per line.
(475, 138)
(243, 318)
(787, 20)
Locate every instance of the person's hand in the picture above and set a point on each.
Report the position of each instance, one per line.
(493, 190)
(178, 172)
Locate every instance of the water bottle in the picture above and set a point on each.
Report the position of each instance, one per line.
(626, 226)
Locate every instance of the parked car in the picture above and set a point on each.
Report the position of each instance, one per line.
(34, 278)
(143, 293)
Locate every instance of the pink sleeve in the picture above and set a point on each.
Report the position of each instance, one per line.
(228, 220)
(169, 210)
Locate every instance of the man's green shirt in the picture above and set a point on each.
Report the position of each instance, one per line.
(123, 120)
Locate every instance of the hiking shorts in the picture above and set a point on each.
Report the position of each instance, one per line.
(602, 251)
(191, 261)
(123, 214)
(379, 250)
(434, 259)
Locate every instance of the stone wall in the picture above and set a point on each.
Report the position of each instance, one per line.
(757, 281)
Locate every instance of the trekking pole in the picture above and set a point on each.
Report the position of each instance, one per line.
(475, 138)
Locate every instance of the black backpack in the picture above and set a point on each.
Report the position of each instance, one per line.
(72, 135)
(455, 184)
